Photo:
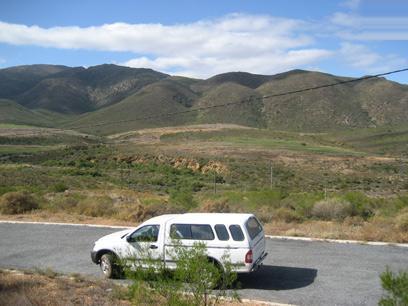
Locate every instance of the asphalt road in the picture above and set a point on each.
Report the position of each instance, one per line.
(295, 272)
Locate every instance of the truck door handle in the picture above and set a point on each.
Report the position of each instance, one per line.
(152, 246)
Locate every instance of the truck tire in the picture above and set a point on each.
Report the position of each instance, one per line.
(108, 266)
(219, 271)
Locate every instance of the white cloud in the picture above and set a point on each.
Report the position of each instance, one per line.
(228, 34)
(352, 4)
(355, 27)
(255, 43)
(266, 63)
(361, 57)
(236, 42)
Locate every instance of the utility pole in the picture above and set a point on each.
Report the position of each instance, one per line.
(270, 166)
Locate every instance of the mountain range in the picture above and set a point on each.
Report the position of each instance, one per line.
(107, 99)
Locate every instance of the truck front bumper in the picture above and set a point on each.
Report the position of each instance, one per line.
(93, 257)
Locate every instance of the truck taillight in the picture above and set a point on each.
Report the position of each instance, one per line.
(249, 257)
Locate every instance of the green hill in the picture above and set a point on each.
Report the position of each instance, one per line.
(73, 90)
(167, 96)
(13, 113)
(16, 80)
(125, 98)
(248, 113)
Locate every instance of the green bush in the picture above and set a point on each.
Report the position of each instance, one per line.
(17, 203)
(361, 205)
(96, 207)
(332, 209)
(402, 222)
(267, 197)
(396, 287)
(194, 274)
(286, 214)
(182, 198)
(59, 187)
(302, 203)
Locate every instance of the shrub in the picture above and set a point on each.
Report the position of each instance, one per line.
(96, 207)
(143, 212)
(402, 222)
(183, 198)
(264, 214)
(220, 206)
(17, 203)
(332, 209)
(302, 203)
(194, 273)
(59, 187)
(267, 197)
(396, 286)
(65, 204)
(286, 214)
(361, 205)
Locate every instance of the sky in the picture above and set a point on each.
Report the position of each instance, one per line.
(204, 38)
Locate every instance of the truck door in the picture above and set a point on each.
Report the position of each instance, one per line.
(145, 243)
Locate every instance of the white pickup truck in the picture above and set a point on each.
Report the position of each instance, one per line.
(241, 236)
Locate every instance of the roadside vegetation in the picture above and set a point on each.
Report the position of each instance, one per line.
(195, 281)
(330, 191)
(46, 287)
(50, 288)
(395, 287)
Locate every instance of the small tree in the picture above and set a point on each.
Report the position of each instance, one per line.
(202, 275)
(193, 282)
(396, 286)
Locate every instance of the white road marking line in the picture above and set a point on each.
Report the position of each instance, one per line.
(373, 243)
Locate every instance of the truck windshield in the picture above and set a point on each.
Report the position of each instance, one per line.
(253, 227)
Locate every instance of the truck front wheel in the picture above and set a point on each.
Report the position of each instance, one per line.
(109, 266)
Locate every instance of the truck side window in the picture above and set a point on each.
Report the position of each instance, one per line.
(148, 233)
(253, 227)
(236, 232)
(191, 231)
(201, 232)
(222, 232)
(180, 231)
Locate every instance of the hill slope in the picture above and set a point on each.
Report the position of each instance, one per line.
(73, 90)
(110, 93)
(13, 113)
(163, 97)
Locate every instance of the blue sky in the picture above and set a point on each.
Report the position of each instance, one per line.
(204, 38)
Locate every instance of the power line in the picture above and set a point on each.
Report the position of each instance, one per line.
(247, 100)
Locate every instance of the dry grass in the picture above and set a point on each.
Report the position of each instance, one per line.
(61, 217)
(351, 229)
(49, 288)
(41, 289)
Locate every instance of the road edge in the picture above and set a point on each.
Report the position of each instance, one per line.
(294, 238)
